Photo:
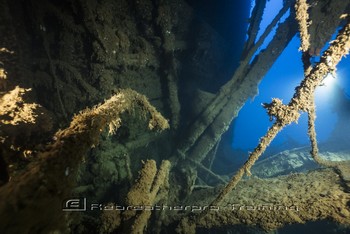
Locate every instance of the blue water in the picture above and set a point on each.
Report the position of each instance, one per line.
(287, 72)
(280, 82)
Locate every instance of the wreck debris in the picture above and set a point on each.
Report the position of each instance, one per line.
(325, 15)
(14, 110)
(253, 29)
(46, 183)
(300, 102)
(168, 46)
(302, 16)
(119, 55)
(275, 202)
(110, 221)
(286, 114)
(144, 192)
(253, 48)
(217, 117)
(23, 125)
(312, 132)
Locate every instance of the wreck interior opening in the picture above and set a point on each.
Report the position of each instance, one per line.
(163, 116)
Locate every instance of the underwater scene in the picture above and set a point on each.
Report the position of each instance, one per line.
(174, 116)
